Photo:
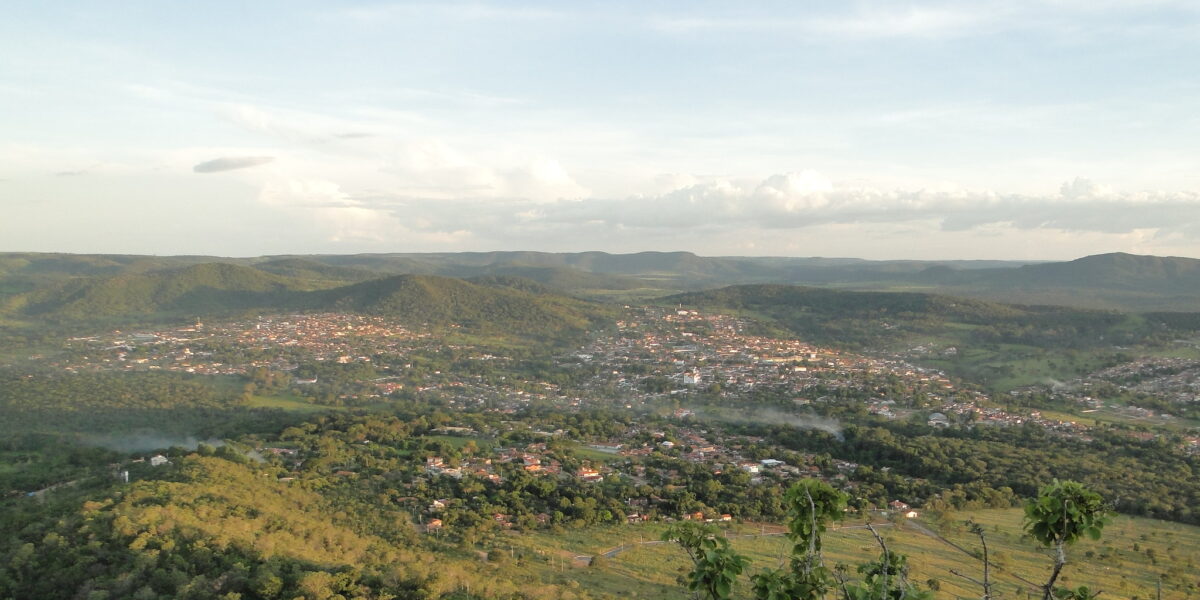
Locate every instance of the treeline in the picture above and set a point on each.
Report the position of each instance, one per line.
(105, 402)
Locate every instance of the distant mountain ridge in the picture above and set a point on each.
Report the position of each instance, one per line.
(1111, 281)
(1117, 270)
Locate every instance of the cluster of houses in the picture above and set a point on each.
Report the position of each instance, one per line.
(696, 351)
(334, 337)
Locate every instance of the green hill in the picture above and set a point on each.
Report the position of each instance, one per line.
(200, 290)
(222, 289)
(303, 268)
(1118, 271)
(567, 279)
(1107, 281)
(442, 300)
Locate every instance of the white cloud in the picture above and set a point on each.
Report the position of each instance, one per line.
(803, 200)
(373, 150)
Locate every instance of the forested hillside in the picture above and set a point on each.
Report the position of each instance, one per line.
(214, 290)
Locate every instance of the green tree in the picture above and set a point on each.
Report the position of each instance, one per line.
(1062, 513)
(715, 565)
(884, 579)
(811, 506)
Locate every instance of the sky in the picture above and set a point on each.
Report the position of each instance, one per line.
(920, 130)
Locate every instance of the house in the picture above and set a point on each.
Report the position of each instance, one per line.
(434, 525)
(938, 419)
(912, 514)
(158, 460)
(898, 505)
(589, 474)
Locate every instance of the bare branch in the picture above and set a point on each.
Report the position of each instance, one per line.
(886, 555)
(967, 577)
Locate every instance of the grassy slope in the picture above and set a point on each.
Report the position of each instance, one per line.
(649, 570)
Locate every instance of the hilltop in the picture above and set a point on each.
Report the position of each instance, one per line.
(199, 290)
(1114, 281)
(303, 268)
(210, 290)
(441, 300)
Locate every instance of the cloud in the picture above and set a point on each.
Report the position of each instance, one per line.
(799, 202)
(229, 163)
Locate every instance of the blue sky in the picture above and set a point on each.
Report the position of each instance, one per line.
(873, 129)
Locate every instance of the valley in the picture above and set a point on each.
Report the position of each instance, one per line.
(503, 426)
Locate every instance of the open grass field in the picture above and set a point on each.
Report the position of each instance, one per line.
(1126, 563)
(595, 455)
(288, 402)
(457, 441)
(1112, 416)
(1003, 367)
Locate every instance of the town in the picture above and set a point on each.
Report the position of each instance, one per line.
(655, 355)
